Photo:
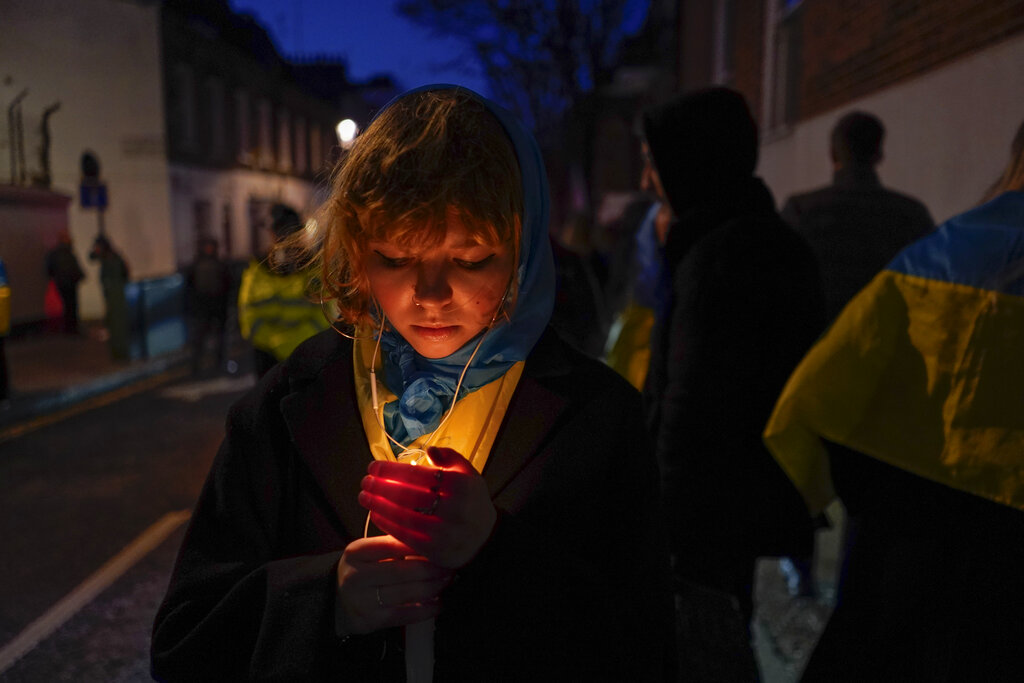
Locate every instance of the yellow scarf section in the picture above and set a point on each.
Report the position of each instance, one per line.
(471, 428)
(921, 374)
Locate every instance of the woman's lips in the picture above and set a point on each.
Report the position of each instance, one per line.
(435, 333)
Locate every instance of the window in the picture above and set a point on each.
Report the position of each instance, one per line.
(316, 158)
(227, 246)
(265, 147)
(284, 140)
(184, 113)
(243, 118)
(723, 66)
(202, 215)
(218, 133)
(783, 54)
(300, 145)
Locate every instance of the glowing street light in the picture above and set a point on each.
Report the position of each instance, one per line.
(347, 131)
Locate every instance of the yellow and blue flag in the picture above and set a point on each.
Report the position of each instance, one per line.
(924, 368)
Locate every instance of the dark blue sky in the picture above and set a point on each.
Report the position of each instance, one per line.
(368, 34)
(373, 39)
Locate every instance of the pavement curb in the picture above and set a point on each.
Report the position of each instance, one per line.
(22, 408)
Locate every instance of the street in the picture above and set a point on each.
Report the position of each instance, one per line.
(100, 499)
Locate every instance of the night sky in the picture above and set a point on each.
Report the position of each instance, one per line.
(368, 35)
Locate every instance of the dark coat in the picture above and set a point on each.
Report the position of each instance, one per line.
(572, 584)
(745, 306)
(62, 266)
(855, 227)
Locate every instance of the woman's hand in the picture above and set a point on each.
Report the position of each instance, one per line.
(443, 513)
(381, 583)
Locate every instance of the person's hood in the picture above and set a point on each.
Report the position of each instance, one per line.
(704, 146)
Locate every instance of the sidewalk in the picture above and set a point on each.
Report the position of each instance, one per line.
(52, 371)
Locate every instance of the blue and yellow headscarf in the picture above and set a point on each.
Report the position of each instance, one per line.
(426, 387)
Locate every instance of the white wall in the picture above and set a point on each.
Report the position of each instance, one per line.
(101, 60)
(948, 133)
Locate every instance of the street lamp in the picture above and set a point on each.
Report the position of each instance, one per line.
(347, 131)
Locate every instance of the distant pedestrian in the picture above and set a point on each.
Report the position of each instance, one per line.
(645, 287)
(855, 225)
(911, 410)
(275, 310)
(579, 315)
(5, 330)
(113, 278)
(744, 306)
(207, 286)
(63, 268)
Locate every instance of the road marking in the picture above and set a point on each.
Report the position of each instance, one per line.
(101, 579)
(194, 391)
(89, 404)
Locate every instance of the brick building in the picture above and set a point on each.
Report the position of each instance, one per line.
(945, 76)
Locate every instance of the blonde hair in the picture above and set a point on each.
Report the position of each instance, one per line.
(427, 155)
(1013, 175)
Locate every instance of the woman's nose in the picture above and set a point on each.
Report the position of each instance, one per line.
(432, 288)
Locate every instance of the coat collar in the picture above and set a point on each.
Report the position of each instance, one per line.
(322, 415)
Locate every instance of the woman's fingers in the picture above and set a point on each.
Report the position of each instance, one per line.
(445, 514)
(421, 476)
(377, 548)
(382, 582)
(411, 497)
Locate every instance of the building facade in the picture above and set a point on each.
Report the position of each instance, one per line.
(242, 132)
(98, 62)
(946, 77)
(198, 123)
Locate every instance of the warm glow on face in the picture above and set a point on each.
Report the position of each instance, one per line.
(439, 298)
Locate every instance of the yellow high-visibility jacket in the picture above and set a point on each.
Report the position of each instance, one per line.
(274, 311)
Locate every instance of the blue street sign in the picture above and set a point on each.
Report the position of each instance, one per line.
(93, 195)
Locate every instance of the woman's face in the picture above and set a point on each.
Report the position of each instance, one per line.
(438, 298)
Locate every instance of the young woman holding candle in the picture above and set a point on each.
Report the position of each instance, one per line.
(439, 488)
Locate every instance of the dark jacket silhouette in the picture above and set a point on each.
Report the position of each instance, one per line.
(745, 305)
(854, 226)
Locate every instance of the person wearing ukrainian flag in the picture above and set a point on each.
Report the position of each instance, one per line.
(439, 488)
(910, 409)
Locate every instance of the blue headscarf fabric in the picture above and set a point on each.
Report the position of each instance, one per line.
(426, 387)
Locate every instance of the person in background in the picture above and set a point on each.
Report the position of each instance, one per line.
(628, 347)
(5, 330)
(448, 491)
(63, 268)
(910, 410)
(275, 312)
(743, 307)
(207, 287)
(113, 278)
(855, 225)
(579, 314)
